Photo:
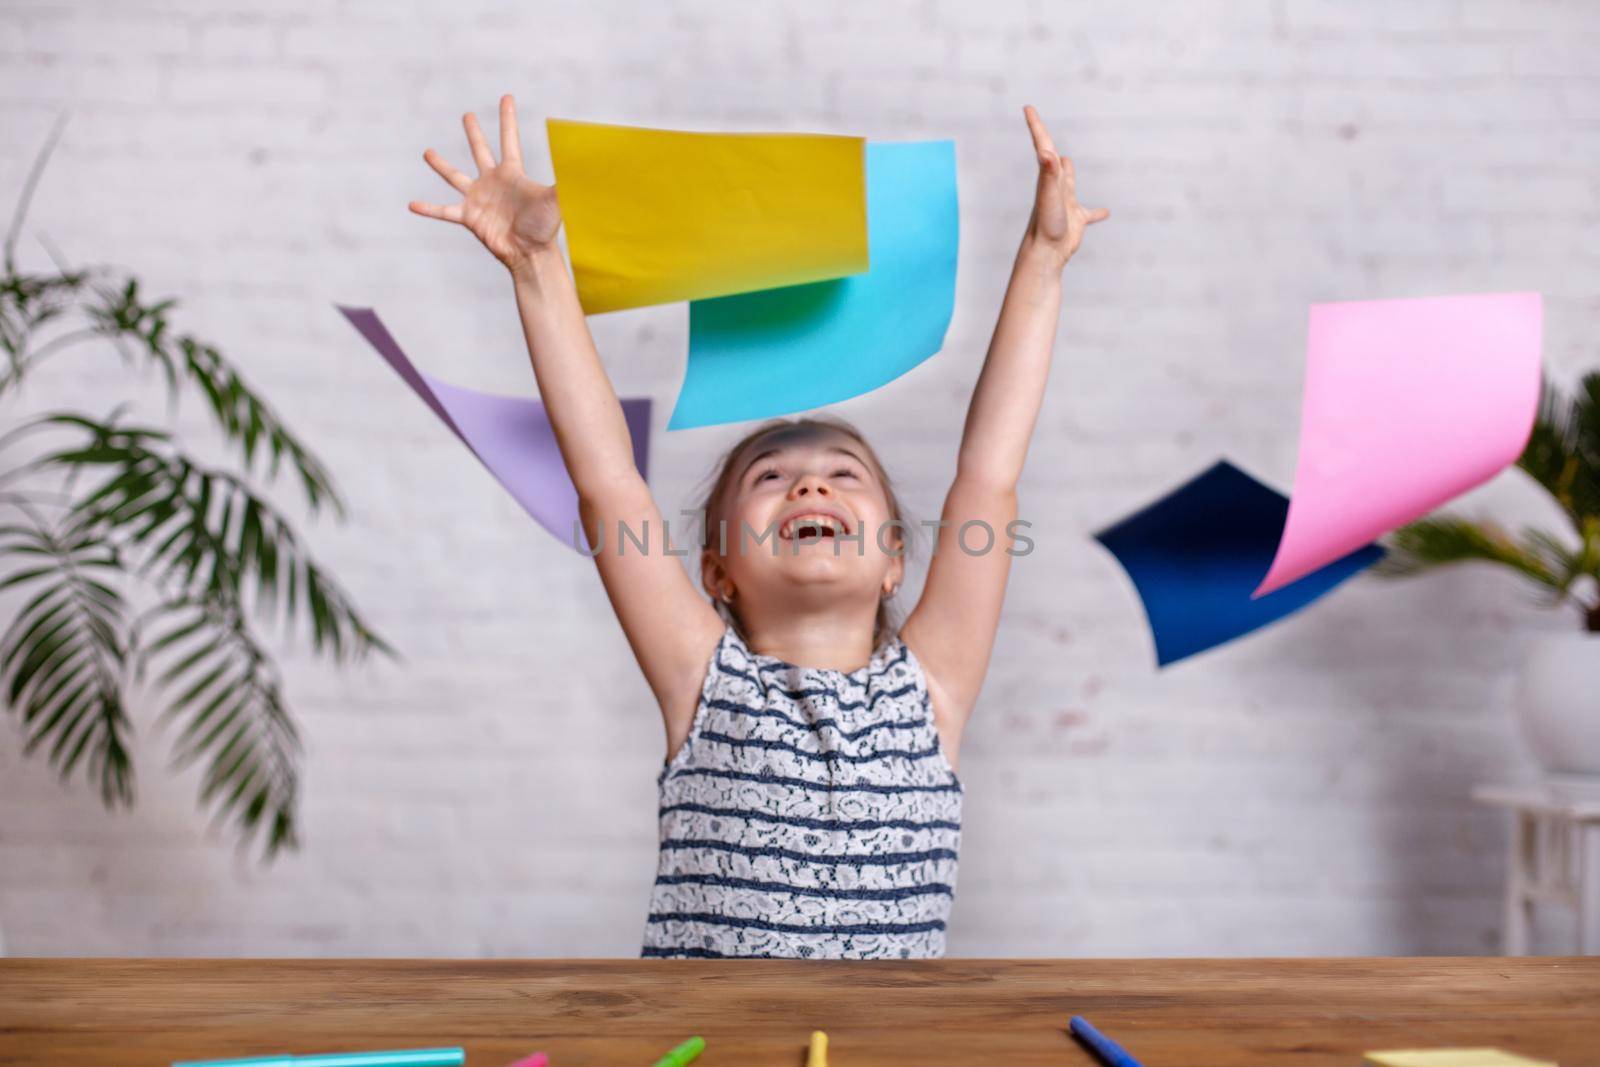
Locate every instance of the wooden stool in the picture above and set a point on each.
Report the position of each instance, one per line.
(1555, 857)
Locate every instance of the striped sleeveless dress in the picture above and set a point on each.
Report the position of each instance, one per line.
(810, 813)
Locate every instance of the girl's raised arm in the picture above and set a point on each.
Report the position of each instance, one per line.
(952, 628)
(670, 627)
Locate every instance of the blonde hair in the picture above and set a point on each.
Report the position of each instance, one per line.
(711, 505)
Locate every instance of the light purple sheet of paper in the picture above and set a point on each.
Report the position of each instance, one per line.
(511, 436)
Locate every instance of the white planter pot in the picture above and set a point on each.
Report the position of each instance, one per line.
(1558, 703)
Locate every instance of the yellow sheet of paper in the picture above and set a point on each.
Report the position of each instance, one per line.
(1452, 1057)
(658, 216)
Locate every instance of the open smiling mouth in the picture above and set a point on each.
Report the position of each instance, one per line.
(811, 527)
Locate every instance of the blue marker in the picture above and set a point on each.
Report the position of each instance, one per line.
(1110, 1053)
(414, 1057)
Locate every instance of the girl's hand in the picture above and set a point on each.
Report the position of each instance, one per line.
(1058, 220)
(514, 216)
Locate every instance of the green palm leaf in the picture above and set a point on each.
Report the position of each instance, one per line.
(134, 505)
(1563, 456)
(62, 658)
(142, 331)
(218, 553)
(1563, 451)
(221, 685)
(1445, 539)
(108, 306)
(202, 533)
(1586, 417)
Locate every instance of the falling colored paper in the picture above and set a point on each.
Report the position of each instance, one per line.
(1196, 554)
(1452, 1057)
(657, 216)
(1408, 403)
(780, 351)
(510, 436)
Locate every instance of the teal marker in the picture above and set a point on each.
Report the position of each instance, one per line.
(412, 1057)
(685, 1052)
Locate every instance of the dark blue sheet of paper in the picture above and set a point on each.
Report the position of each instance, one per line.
(1197, 554)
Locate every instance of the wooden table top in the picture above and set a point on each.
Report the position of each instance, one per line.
(753, 1013)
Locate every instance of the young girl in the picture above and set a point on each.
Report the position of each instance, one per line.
(809, 800)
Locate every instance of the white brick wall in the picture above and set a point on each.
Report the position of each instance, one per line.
(1302, 792)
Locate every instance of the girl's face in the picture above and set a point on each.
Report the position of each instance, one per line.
(807, 519)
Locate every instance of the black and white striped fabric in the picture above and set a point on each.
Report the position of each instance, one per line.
(810, 814)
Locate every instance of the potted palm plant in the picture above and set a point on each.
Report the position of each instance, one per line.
(137, 571)
(1558, 690)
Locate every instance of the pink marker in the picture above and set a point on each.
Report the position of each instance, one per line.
(538, 1059)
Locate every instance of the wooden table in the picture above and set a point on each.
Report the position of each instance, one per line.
(752, 1013)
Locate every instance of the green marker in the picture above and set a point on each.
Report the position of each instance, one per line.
(684, 1053)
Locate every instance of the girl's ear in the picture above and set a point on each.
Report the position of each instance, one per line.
(712, 574)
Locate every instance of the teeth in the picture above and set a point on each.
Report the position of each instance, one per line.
(812, 523)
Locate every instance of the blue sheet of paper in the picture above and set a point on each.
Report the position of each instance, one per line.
(1196, 555)
(779, 351)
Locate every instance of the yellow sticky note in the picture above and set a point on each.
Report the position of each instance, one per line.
(1452, 1057)
(659, 216)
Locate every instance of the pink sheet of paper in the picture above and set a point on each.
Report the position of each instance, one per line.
(1408, 403)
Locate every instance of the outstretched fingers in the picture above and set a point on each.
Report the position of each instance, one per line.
(480, 146)
(457, 180)
(510, 141)
(452, 213)
(1042, 144)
